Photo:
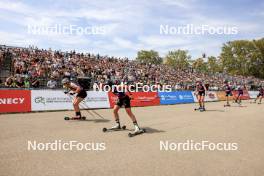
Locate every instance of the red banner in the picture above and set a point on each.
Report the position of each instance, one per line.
(138, 99)
(15, 101)
(222, 96)
(245, 95)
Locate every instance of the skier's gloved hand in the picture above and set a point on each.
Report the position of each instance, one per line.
(65, 92)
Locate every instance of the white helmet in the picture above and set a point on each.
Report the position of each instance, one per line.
(65, 81)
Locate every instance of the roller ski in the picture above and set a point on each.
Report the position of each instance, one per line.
(239, 103)
(115, 128)
(136, 132)
(201, 109)
(75, 118)
(227, 105)
(197, 109)
(255, 102)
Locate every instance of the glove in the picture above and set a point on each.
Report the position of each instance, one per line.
(72, 93)
(65, 92)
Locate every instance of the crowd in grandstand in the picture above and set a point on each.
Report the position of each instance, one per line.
(35, 68)
(2, 51)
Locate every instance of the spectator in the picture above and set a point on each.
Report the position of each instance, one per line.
(19, 82)
(52, 83)
(10, 82)
(35, 82)
(34, 62)
(27, 83)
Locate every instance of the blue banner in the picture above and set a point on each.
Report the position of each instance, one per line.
(176, 97)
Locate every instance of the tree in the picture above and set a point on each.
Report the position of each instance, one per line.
(151, 56)
(200, 65)
(178, 59)
(257, 68)
(213, 64)
(243, 57)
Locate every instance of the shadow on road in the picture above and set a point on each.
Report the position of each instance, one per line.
(153, 130)
(92, 120)
(214, 110)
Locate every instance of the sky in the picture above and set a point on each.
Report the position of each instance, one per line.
(121, 28)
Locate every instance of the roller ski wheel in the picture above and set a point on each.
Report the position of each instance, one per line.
(75, 118)
(202, 110)
(197, 109)
(227, 105)
(114, 129)
(83, 118)
(136, 133)
(239, 103)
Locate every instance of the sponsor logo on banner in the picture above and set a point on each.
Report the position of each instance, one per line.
(50, 100)
(145, 99)
(138, 99)
(210, 96)
(96, 99)
(43, 100)
(176, 97)
(15, 101)
(40, 100)
(56, 100)
(245, 95)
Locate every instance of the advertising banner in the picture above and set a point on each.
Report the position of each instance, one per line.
(138, 99)
(176, 97)
(56, 100)
(44, 100)
(245, 94)
(96, 99)
(210, 96)
(253, 94)
(222, 96)
(15, 101)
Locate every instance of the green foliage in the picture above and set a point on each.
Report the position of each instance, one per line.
(200, 65)
(213, 65)
(240, 57)
(151, 56)
(178, 59)
(243, 57)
